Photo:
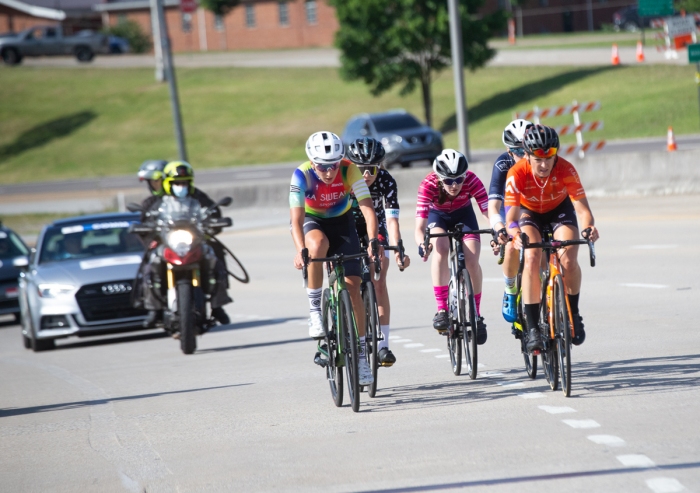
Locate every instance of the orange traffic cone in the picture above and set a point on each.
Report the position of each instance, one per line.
(671, 140)
(640, 52)
(615, 55)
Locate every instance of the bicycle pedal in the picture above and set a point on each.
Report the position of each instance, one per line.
(386, 365)
(320, 360)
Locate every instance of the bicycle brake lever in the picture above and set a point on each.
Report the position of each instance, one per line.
(304, 267)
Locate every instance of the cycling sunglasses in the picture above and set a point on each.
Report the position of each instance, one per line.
(454, 181)
(517, 151)
(545, 153)
(373, 170)
(324, 168)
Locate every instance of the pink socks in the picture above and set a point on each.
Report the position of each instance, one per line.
(477, 301)
(441, 293)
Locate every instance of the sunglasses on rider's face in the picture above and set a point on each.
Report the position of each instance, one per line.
(373, 170)
(545, 153)
(453, 181)
(324, 168)
(517, 151)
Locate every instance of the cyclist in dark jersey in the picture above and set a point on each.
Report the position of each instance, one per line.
(368, 155)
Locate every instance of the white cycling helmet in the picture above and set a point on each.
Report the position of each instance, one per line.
(450, 164)
(324, 148)
(513, 133)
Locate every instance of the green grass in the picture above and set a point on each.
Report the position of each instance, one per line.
(30, 224)
(63, 123)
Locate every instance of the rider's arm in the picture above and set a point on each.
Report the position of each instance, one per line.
(496, 220)
(578, 197)
(585, 217)
(367, 208)
(297, 211)
(421, 224)
(297, 219)
(391, 207)
(476, 189)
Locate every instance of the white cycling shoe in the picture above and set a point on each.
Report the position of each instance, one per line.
(316, 330)
(365, 372)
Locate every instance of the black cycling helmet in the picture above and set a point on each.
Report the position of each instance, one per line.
(450, 164)
(152, 170)
(540, 137)
(366, 152)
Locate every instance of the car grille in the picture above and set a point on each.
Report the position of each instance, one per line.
(107, 301)
(421, 139)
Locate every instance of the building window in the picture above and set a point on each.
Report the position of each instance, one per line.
(284, 14)
(218, 23)
(311, 15)
(186, 22)
(250, 15)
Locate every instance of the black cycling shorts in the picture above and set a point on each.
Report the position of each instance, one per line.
(448, 220)
(342, 238)
(562, 215)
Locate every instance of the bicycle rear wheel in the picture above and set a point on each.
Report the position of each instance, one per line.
(562, 331)
(333, 372)
(372, 333)
(467, 316)
(350, 348)
(454, 347)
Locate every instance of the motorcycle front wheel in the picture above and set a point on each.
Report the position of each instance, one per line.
(185, 310)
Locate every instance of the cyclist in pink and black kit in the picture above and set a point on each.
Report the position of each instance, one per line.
(444, 200)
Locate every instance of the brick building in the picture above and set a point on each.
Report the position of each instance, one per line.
(74, 15)
(256, 24)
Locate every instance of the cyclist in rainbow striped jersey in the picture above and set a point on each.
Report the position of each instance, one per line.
(444, 200)
(321, 221)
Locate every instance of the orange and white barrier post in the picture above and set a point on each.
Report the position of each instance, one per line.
(640, 52)
(615, 55)
(511, 31)
(671, 140)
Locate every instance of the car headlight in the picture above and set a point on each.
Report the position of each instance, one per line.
(179, 240)
(55, 290)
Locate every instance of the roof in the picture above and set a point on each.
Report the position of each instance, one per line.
(98, 218)
(131, 5)
(35, 10)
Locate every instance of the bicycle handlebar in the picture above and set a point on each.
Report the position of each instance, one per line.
(560, 244)
(374, 245)
(398, 248)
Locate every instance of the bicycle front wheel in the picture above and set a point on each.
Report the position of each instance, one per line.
(373, 333)
(333, 372)
(467, 318)
(562, 332)
(350, 348)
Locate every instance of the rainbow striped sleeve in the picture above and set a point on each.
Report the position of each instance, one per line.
(297, 188)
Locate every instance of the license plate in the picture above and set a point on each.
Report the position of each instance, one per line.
(12, 293)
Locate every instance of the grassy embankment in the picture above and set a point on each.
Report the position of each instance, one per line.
(67, 123)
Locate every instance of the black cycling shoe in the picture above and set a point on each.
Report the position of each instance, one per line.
(220, 315)
(153, 318)
(386, 357)
(480, 331)
(440, 321)
(579, 333)
(518, 334)
(534, 341)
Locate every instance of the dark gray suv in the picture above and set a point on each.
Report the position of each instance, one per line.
(404, 138)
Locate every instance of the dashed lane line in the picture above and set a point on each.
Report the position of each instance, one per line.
(413, 345)
(511, 384)
(442, 356)
(641, 285)
(609, 440)
(652, 247)
(532, 395)
(491, 374)
(557, 409)
(581, 423)
(665, 485)
(635, 460)
(431, 350)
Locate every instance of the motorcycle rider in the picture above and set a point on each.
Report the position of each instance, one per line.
(177, 179)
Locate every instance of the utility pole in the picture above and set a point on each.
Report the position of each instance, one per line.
(172, 84)
(458, 70)
(157, 47)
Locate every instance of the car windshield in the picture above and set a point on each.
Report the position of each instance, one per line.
(11, 246)
(81, 241)
(392, 123)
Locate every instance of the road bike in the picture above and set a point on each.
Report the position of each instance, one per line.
(462, 306)
(556, 323)
(340, 346)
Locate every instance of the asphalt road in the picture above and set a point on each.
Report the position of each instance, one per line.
(251, 412)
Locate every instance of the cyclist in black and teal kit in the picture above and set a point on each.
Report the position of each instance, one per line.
(513, 140)
(368, 155)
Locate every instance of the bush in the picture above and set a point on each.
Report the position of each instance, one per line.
(139, 42)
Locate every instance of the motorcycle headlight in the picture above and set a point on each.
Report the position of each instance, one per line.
(179, 240)
(55, 290)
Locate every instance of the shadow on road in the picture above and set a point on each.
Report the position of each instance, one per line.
(96, 402)
(113, 340)
(45, 133)
(252, 324)
(250, 346)
(520, 96)
(536, 478)
(641, 375)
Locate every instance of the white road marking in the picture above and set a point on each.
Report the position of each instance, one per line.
(511, 384)
(415, 344)
(391, 338)
(640, 285)
(664, 485)
(402, 340)
(532, 395)
(652, 247)
(442, 356)
(609, 440)
(432, 350)
(581, 423)
(491, 374)
(557, 409)
(481, 365)
(635, 460)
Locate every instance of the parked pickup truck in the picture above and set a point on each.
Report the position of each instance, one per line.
(49, 41)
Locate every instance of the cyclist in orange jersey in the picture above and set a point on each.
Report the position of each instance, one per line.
(545, 189)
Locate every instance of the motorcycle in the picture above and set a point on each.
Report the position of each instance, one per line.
(180, 228)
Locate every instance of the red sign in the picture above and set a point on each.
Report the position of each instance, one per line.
(188, 6)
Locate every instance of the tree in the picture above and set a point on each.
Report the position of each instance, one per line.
(220, 8)
(688, 5)
(407, 42)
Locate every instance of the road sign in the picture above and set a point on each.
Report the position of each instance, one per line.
(655, 8)
(679, 26)
(188, 6)
(694, 53)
